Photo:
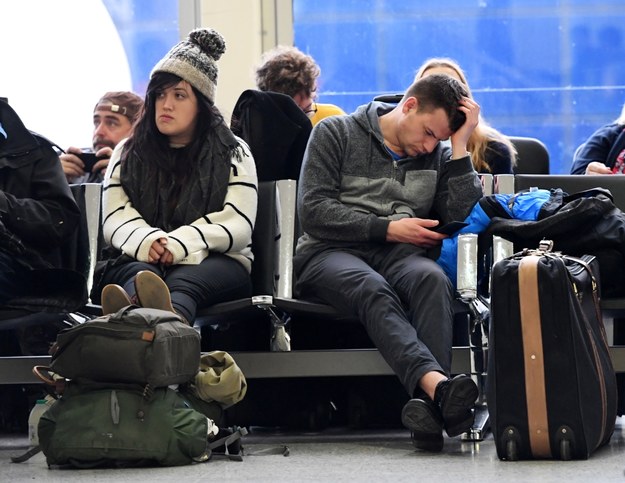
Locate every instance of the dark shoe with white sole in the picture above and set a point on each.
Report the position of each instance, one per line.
(422, 417)
(456, 398)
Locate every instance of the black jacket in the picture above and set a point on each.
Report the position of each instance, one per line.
(583, 223)
(38, 214)
(276, 130)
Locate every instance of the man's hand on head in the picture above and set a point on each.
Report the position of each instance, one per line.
(460, 138)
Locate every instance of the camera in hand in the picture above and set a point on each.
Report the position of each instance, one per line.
(89, 158)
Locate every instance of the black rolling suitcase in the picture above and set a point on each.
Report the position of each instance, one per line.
(551, 387)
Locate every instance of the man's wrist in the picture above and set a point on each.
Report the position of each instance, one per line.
(466, 153)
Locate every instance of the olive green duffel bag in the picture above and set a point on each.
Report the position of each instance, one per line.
(100, 427)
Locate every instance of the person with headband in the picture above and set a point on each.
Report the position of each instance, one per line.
(113, 117)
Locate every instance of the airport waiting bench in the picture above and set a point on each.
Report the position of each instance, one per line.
(273, 294)
(273, 240)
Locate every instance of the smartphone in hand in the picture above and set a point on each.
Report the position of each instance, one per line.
(450, 228)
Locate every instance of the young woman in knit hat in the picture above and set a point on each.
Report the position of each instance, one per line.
(180, 194)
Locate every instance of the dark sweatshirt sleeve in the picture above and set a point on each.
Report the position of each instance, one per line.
(320, 209)
(49, 214)
(458, 190)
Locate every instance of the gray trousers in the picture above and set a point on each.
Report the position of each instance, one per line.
(403, 298)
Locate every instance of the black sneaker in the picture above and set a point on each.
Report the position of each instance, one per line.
(423, 419)
(456, 398)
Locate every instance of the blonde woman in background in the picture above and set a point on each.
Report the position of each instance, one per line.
(491, 151)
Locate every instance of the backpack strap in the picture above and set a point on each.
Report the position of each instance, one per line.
(226, 441)
(50, 378)
(533, 357)
(226, 445)
(26, 456)
(281, 449)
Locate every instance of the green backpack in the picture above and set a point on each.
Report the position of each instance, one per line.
(121, 427)
(135, 345)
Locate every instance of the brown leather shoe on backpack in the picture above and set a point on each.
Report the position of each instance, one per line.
(152, 291)
(114, 298)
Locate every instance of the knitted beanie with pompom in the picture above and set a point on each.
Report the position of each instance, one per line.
(194, 60)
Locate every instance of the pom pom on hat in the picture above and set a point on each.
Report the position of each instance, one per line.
(210, 41)
(194, 60)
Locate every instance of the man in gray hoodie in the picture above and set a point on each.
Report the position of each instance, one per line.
(373, 187)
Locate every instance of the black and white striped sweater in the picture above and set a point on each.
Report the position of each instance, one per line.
(227, 231)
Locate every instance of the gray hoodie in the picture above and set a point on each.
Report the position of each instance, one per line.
(350, 187)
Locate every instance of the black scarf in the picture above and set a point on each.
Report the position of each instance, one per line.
(168, 200)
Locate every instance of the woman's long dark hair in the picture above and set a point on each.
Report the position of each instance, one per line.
(149, 144)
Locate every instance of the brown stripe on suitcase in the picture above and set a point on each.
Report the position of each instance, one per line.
(536, 396)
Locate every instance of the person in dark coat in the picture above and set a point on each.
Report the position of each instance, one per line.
(38, 214)
(604, 151)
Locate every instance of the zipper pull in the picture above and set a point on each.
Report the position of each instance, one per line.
(114, 407)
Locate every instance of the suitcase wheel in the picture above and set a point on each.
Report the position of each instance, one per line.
(565, 450)
(511, 441)
(511, 450)
(565, 439)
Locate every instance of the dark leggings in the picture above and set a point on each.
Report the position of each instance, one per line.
(218, 278)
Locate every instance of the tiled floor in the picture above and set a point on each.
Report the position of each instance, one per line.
(342, 455)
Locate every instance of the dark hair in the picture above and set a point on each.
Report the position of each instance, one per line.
(440, 91)
(148, 143)
(287, 70)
